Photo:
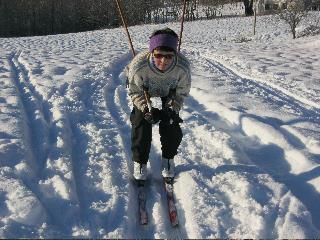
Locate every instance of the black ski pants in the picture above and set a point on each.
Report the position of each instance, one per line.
(141, 137)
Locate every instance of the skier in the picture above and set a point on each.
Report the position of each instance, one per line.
(161, 72)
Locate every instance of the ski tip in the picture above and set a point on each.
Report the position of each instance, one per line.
(175, 225)
(144, 222)
(174, 222)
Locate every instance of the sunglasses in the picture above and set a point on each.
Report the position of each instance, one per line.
(166, 56)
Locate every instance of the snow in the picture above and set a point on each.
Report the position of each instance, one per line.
(248, 165)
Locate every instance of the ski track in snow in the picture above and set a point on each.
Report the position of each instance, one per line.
(36, 121)
(64, 140)
(306, 109)
(35, 109)
(295, 183)
(308, 113)
(115, 100)
(223, 221)
(41, 134)
(106, 101)
(211, 120)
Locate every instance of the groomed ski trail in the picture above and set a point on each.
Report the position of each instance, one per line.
(224, 187)
(232, 158)
(219, 119)
(35, 128)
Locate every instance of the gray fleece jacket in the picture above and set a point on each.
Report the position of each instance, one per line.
(142, 73)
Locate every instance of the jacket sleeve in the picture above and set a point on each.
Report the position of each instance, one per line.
(182, 90)
(136, 92)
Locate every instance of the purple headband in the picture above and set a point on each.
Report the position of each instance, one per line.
(163, 40)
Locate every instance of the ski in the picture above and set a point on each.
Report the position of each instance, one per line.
(142, 199)
(172, 210)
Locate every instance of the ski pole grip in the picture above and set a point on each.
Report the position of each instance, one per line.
(147, 97)
(172, 95)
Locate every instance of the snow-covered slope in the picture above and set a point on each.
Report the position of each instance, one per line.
(248, 165)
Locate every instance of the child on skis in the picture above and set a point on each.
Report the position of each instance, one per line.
(160, 72)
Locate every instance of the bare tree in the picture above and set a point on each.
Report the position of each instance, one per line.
(209, 8)
(248, 7)
(41, 17)
(294, 14)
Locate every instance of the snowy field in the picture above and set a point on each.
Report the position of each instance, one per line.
(248, 165)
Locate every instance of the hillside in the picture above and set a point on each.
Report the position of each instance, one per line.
(248, 165)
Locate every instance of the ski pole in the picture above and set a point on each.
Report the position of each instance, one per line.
(131, 46)
(126, 28)
(182, 21)
(146, 94)
(147, 97)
